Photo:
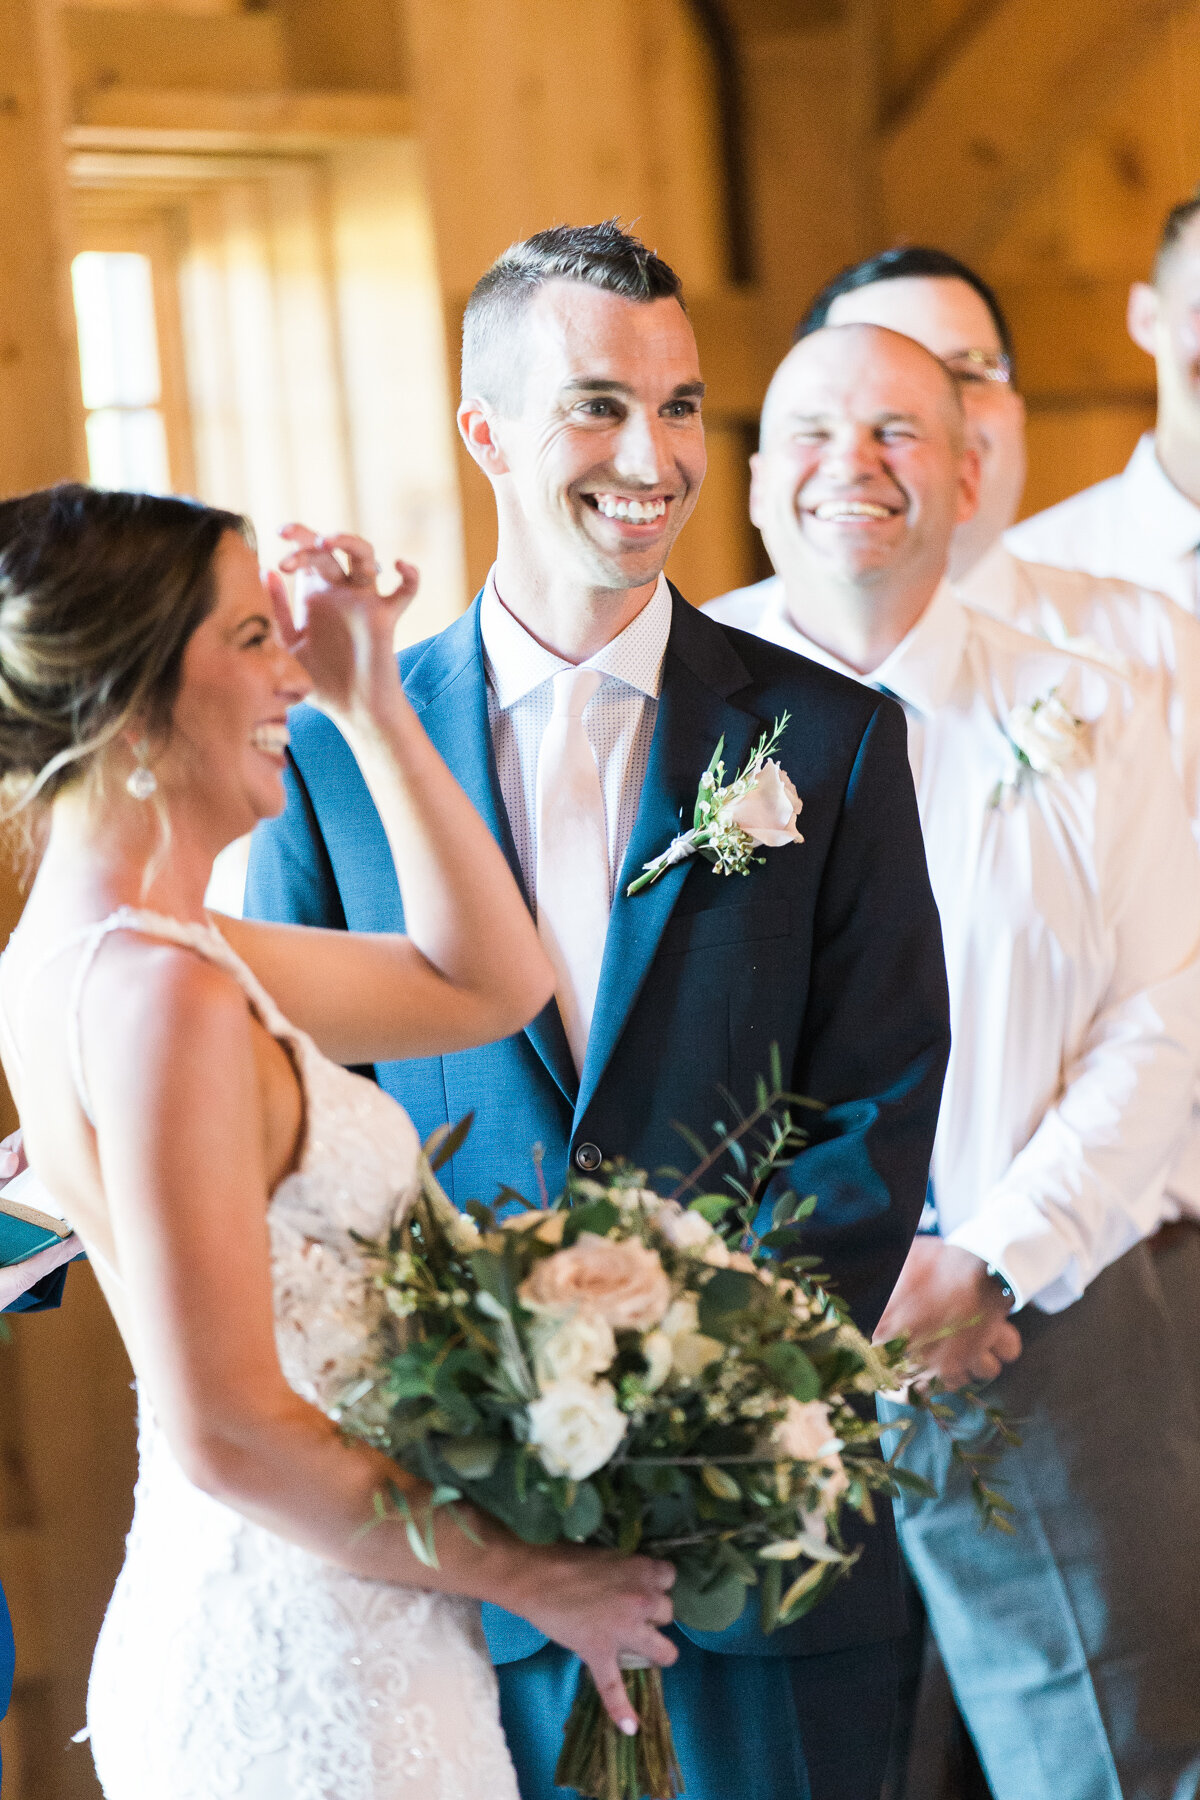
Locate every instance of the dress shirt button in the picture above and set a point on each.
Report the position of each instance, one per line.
(588, 1157)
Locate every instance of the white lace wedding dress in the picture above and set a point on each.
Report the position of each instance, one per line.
(233, 1665)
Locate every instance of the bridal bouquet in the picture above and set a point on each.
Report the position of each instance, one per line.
(623, 1369)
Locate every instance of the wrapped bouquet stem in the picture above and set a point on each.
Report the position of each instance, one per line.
(620, 1369)
(599, 1760)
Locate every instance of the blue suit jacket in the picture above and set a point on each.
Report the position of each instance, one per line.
(830, 949)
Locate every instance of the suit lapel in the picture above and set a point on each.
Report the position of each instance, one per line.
(701, 669)
(448, 690)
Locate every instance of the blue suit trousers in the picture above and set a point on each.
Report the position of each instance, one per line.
(746, 1727)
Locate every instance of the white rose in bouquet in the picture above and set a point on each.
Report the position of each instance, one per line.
(768, 809)
(804, 1433)
(623, 1282)
(575, 1426)
(682, 1226)
(579, 1346)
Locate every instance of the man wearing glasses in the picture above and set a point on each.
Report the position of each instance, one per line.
(1077, 1665)
(931, 296)
(949, 308)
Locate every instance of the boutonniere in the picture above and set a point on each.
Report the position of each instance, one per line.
(756, 810)
(1045, 738)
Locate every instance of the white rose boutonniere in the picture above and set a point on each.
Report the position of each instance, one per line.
(1046, 738)
(758, 809)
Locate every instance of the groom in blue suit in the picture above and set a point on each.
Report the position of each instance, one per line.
(582, 406)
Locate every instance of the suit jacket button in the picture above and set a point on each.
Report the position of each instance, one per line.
(588, 1157)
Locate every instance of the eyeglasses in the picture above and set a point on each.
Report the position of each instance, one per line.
(980, 365)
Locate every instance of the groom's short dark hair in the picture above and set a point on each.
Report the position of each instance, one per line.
(603, 256)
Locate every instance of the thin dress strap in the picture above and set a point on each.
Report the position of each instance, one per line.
(205, 939)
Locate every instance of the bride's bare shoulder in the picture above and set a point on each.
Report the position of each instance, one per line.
(152, 1010)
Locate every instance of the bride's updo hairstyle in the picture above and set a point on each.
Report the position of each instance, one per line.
(99, 594)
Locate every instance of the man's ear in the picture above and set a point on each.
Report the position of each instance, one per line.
(970, 474)
(475, 424)
(755, 491)
(1141, 316)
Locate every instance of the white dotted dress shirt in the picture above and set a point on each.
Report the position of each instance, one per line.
(1137, 526)
(619, 720)
(1071, 922)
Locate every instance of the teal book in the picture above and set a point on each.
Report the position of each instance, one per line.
(29, 1221)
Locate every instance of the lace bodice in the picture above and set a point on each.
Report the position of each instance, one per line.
(234, 1665)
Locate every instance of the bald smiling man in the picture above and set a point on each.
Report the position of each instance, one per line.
(1045, 791)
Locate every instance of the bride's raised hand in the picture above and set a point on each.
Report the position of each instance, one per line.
(339, 626)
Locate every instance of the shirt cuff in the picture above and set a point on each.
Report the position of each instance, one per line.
(1016, 1238)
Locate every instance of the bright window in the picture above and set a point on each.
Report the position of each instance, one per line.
(122, 384)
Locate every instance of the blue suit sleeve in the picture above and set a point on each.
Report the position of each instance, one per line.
(876, 1033)
(290, 878)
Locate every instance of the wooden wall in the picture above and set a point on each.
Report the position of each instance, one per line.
(326, 178)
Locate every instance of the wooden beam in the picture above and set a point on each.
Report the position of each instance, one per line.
(784, 15)
(345, 43)
(234, 52)
(41, 409)
(811, 110)
(999, 117)
(192, 119)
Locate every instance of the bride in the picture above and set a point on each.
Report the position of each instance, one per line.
(181, 1083)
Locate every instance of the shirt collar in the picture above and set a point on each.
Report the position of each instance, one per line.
(920, 671)
(1168, 513)
(517, 664)
(994, 584)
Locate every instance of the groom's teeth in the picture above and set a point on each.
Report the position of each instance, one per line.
(274, 739)
(637, 512)
(850, 509)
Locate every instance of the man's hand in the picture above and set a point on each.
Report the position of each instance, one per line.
(953, 1314)
(18, 1279)
(12, 1155)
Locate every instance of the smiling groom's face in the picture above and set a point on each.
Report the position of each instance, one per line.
(600, 467)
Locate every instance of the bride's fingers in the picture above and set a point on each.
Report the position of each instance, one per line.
(276, 590)
(360, 556)
(314, 561)
(611, 1688)
(653, 1645)
(410, 581)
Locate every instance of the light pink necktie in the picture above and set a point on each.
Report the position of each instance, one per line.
(572, 856)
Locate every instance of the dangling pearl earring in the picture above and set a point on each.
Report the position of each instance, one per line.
(142, 782)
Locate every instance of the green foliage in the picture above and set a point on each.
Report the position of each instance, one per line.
(447, 1140)
(710, 1591)
(697, 1475)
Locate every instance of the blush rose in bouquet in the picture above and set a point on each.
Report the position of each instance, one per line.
(620, 1369)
